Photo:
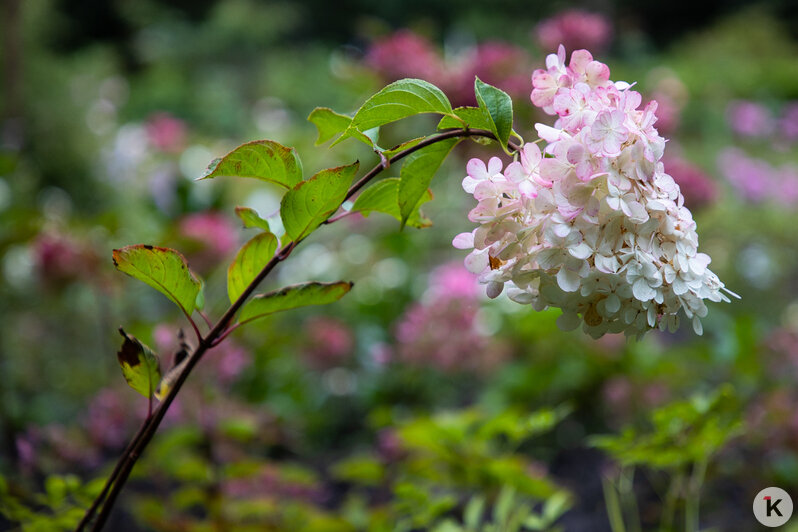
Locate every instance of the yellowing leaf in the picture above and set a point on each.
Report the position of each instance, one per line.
(260, 159)
(164, 269)
(140, 365)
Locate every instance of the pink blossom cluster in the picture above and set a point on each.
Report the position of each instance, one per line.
(207, 237)
(61, 257)
(331, 342)
(591, 224)
(750, 119)
(406, 54)
(756, 180)
(788, 124)
(753, 120)
(574, 28)
(166, 132)
(443, 331)
(695, 185)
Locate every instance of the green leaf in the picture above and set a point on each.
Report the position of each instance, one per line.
(329, 123)
(199, 301)
(360, 469)
(251, 218)
(474, 118)
(556, 505)
(504, 505)
(249, 261)
(140, 365)
(498, 105)
(400, 99)
(292, 297)
(309, 203)
(164, 269)
(383, 196)
(472, 516)
(260, 159)
(416, 174)
(535, 522)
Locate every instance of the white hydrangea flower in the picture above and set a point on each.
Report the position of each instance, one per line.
(591, 224)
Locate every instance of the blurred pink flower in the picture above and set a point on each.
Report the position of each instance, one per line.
(109, 419)
(166, 133)
(214, 232)
(771, 418)
(497, 63)
(671, 96)
(227, 360)
(56, 256)
(26, 448)
(668, 112)
(389, 445)
(381, 354)
(788, 124)
(625, 397)
(271, 481)
(697, 187)
(575, 29)
(617, 394)
(752, 178)
(749, 119)
(757, 180)
(452, 281)
(61, 258)
(788, 189)
(230, 359)
(443, 330)
(330, 342)
(405, 54)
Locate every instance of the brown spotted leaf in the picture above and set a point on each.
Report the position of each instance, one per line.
(164, 269)
(260, 159)
(140, 365)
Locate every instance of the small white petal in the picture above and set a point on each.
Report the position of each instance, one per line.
(612, 303)
(568, 280)
(476, 261)
(464, 241)
(470, 184)
(494, 289)
(568, 321)
(582, 251)
(697, 327)
(642, 291)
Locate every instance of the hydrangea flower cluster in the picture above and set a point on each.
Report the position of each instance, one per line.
(591, 224)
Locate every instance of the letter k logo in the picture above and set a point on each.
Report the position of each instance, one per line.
(772, 506)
